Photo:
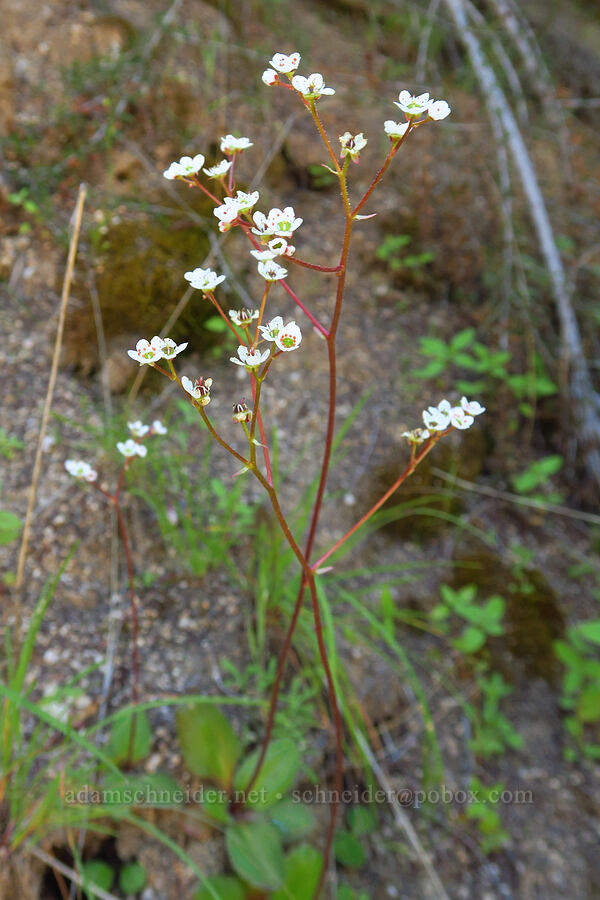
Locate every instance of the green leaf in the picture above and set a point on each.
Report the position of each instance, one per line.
(156, 789)
(471, 640)
(302, 870)
(10, 526)
(294, 820)
(537, 473)
(362, 820)
(209, 744)
(276, 776)
(256, 854)
(462, 339)
(130, 739)
(215, 324)
(99, 873)
(227, 887)
(132, 878)
(588, 704)
(590, 631)
(348, 850)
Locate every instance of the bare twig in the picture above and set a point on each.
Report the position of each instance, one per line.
(70, 873)
(402, 820)
(48, 402)
(585, 401)
(421, 64)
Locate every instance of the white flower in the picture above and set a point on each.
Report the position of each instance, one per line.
(352, 144)
(171, 349)
(269, 76)
(131, 448)
(271, 329)
(204, 279)
(438, 109)
(271, 271)
(243, 317)
(79, 469)
(279, 222)
(312, 87)
(263, 254)
(285, 64)
(437, 418)
(472, 407)
(416, 436)
(227, 213)
(460, 419)
(231, 144)
(246, 201)
(199, 388)
(219, 170)
(289, 337)
(185, 167)
(250, 358)
(157, 427)
(280, 247)
(412, 106)
(137, 429)
(395, 130)
(147, 352)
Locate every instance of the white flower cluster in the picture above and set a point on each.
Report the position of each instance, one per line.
(310, 88)
(80, 469)
(189, 166)
(285, 337)
(444, 416)
(149, 352)
(129, 448)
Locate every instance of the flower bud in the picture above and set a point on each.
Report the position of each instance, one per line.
(241, 413)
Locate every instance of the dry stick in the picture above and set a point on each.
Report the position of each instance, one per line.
(48, 402)
(585, 400)
(70, 873)
(517, 499)
(424, 41)
(402, 820)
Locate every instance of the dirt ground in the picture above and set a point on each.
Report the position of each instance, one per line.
(443, 193)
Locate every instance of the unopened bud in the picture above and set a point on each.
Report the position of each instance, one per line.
(241, 413)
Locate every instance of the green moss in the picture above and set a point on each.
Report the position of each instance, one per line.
(533, 617)
(140, 280)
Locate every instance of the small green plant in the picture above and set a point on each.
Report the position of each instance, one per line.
(483, 619)
(389, 252)
(9, 444)
(537, 475)
(487, 368)
(349, 847)
(482, 810)
(492, 731)
(581, 686)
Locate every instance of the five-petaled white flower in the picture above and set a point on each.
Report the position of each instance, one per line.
(289, 337)
(227, 213)
(219, 170)
(250, 358)
(460, 419)
(137, 428)
(157, 427)
(131, 448)
(269, 76)
(352, 144)
(171, 349)
(203, 279)
(412, 106)
(199, 389)
(473, 407)
(186, 166)
(243, 317)
(312, 87)
(280, 247)
(147, 352)
(231, 144)
(271, 271)
(279, 222)
(246, 201)
(270, 331)
(395, 130)
(285, 64)
(437, 418)
(80, 469)
(438, 109)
